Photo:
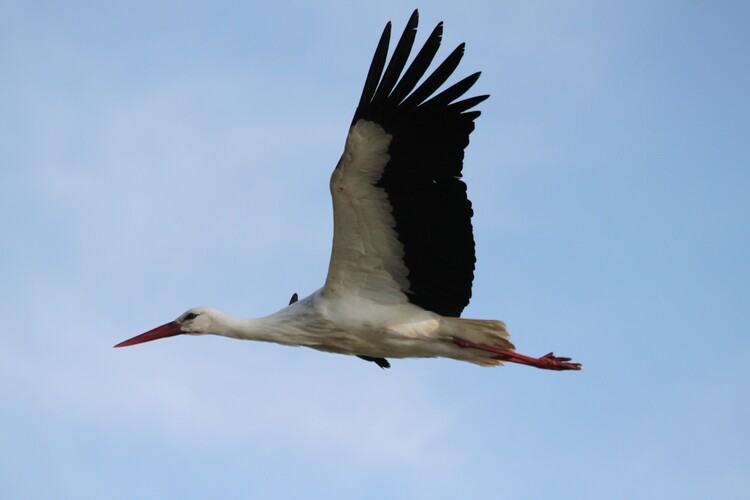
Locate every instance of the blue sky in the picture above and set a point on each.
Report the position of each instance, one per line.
(157, 158)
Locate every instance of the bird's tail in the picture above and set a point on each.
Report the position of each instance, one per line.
(490, 332)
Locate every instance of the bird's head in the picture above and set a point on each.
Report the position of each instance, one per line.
(196, 321)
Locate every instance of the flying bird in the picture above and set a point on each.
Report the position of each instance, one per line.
(402, 262)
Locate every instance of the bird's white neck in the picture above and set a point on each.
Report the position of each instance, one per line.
(280, 327)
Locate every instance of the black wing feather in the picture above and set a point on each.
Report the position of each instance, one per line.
(453, 92)
(423, 177)
(418, 67)
(376, 70)
(436, 79)
(396, 64)
(469, 103)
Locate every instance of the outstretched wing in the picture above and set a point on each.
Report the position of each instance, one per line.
(402, 220)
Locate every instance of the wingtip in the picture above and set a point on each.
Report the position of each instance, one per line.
(413, 21)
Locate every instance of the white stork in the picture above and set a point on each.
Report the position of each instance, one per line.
(402, 262)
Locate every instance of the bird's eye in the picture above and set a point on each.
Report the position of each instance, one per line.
(190, 316)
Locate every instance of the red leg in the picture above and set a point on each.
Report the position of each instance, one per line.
(547, 362)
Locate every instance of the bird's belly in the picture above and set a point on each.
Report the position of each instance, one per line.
(401, 340)
(356, 326)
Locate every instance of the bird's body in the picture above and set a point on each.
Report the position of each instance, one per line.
(359, 327)
(402, 261)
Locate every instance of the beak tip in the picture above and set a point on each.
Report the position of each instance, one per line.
(168, 330)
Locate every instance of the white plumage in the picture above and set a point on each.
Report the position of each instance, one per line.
(402, 261)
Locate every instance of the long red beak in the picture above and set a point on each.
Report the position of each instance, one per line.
(160, 332)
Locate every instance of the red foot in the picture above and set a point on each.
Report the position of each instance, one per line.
(546, 362)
